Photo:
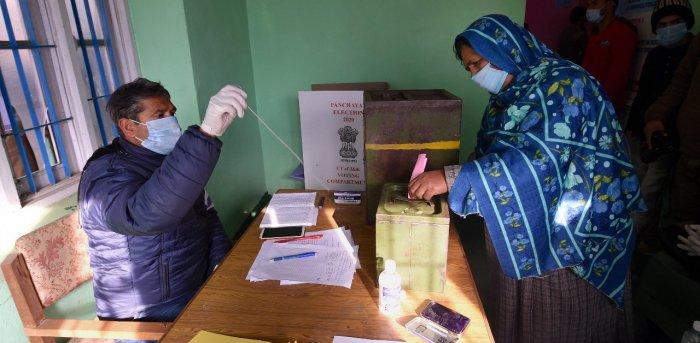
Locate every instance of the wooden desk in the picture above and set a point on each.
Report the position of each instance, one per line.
(230, 305)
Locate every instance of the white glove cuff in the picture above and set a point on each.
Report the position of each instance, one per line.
(209, 130)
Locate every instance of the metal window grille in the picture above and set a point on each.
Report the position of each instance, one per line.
(97, 51)
(30, 122)
(38, 135)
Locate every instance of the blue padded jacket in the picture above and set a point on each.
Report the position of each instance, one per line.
(153, 233)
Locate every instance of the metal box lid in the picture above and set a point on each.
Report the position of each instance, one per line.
(395, 205)
(424, 96)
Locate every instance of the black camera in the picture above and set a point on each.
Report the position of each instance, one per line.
(661, 144)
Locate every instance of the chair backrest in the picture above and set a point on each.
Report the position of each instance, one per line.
(57, 258)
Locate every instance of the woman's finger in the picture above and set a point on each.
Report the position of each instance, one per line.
(414, 185)
(693, 238)
(684, 240)
(420, 193)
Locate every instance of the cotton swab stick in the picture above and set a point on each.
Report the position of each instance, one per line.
(276, 136)
(284, 144)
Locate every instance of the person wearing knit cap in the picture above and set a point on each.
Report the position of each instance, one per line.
(671, 21)
(677, 108)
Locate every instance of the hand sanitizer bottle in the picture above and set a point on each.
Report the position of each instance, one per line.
(390, 292)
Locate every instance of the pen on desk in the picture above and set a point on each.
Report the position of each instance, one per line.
(299, 238)
(320, 202)
(290, 257)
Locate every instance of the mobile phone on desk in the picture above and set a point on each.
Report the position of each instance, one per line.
(282, 232)
(445, 317)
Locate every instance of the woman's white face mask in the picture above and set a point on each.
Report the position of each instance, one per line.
(490, 78)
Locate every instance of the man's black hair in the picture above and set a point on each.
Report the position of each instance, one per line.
(125, 102)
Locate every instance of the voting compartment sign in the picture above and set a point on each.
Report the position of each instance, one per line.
(332, 139)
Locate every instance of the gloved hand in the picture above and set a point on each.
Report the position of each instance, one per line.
(691, 244)
(223, 107)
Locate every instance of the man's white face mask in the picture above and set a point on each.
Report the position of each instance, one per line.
(163, 134)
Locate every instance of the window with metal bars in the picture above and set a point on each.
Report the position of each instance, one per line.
(59, 62)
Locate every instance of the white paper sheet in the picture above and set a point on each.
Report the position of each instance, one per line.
(293, 200)
(289, 216)
(331, 265)
(357, 266)
(339, 237)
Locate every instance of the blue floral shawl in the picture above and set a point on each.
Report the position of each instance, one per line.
(552, 177)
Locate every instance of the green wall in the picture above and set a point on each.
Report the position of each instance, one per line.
(220, 50)
(405, 42)
(160, 35)
(194, 48)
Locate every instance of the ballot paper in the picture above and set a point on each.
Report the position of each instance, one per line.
(334, 264)
(418, 169)
(290, 209)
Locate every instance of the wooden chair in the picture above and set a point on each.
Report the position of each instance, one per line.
(49, 263)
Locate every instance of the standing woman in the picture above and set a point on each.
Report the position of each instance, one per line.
(553, 182)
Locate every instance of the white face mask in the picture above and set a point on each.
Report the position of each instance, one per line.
(671, 35)
(490, 78)
(594, 15)
(163, 134)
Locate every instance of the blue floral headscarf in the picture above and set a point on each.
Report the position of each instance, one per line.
(505, 44)
(552, 178)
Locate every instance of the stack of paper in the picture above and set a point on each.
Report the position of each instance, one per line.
(291, 209)
(334, 262)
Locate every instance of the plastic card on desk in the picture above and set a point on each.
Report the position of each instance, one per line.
(430, 331)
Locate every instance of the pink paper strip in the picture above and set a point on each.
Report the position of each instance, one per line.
(419, 168)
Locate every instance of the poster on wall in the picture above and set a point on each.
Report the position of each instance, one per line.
(332, 139)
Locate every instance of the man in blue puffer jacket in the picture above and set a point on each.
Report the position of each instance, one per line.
(154, 235)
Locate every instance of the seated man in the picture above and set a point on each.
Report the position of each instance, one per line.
(154, 235)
